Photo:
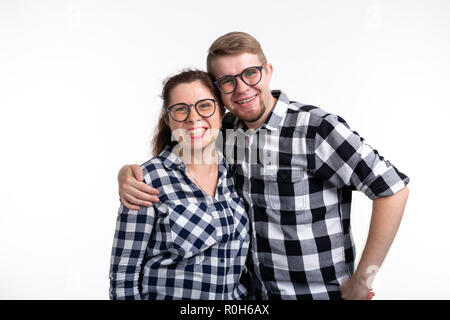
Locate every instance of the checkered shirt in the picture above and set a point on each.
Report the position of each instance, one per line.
(188, 246)
(296, 176)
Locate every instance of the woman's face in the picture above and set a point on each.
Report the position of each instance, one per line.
(196, 132)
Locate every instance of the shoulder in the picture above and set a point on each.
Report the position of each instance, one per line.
(154, 169)
(316, 116)
(165, 173)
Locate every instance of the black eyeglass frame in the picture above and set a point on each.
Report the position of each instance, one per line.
(242, 78)
(169, 109)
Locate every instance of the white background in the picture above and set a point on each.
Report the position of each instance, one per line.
(79, 86)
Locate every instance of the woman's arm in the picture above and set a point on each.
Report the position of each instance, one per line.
(133, 230)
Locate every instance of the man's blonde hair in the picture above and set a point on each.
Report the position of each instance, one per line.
(234, 43)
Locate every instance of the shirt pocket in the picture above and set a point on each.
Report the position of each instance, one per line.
(284, 187)
(193, 230)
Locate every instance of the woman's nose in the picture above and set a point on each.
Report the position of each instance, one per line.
(193, 114)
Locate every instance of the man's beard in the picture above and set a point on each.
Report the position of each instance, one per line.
(256, 118)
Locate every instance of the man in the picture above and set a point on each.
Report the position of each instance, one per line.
(296, 174)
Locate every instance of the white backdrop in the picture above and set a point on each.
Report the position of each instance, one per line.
(79, 86)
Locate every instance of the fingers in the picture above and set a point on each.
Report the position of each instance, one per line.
(129, 205)
(133, 192)
(370, 295)
(140, 198)
(133, 201)
(137, 172)
(136, 197)
(132, 176)
(143, 187)
(351, 290)
(140, 191)
(136, 182)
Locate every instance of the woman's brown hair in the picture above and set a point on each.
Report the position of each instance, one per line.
(163, 133)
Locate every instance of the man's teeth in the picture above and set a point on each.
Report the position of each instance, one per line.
(196, 131)
(246, 100)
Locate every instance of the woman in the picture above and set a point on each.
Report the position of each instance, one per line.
(192, 244)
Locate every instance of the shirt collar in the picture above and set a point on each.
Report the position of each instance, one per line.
(171, 161)
(276, 117)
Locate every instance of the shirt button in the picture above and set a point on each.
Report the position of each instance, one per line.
(222, 260)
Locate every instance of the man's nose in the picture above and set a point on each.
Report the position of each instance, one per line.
(241, 86)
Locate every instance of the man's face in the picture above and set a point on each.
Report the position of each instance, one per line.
(251, 104)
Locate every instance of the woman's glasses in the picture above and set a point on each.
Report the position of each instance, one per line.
(180, 111)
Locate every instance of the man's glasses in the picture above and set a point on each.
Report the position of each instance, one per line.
(251, 76)
(180, 111)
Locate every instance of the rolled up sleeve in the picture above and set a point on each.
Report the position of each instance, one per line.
(344, 159)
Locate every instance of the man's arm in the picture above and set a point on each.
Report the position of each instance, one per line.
(133, 191)
(344, 159)
(386, 216)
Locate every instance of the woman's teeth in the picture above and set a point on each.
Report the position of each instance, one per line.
(196, 131)
(246, 100)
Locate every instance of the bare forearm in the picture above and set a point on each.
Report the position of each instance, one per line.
(386, 216)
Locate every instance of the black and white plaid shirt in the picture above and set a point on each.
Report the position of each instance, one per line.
(188, 246)
(296, 176)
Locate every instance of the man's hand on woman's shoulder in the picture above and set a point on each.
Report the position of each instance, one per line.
(133, 191)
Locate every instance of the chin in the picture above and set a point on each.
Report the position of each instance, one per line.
(251, 116)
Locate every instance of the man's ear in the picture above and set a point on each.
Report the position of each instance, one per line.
(269, 70)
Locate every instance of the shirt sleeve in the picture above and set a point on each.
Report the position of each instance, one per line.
(133, 230)
(344, 159)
